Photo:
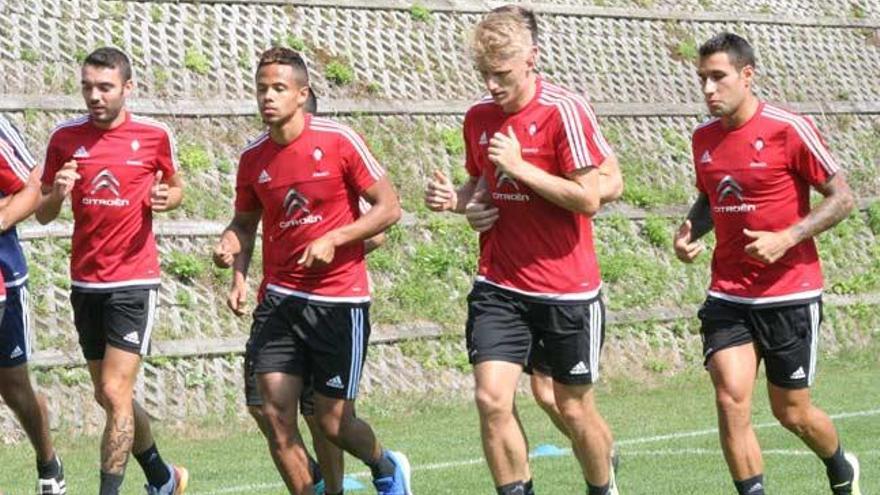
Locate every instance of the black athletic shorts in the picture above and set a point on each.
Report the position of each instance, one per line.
(502, 326)
(252, 395)
(787, 336)
(123, 318)
(323, 342)
(537, 360)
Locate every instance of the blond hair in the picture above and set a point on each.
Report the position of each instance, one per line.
(500, 36)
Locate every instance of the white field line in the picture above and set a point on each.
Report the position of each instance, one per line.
(256, 487)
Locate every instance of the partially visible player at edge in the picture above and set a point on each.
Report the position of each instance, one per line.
(328, 472)
(537, 147)
(20, 189)
(755, 164)
(118, 169)
(303, 179)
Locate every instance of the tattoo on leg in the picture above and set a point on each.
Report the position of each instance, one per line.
(116, 444)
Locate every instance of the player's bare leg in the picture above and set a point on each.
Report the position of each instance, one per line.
(504, 443)
(280, 394)
(733, 371)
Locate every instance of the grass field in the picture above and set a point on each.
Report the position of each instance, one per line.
(665, 434)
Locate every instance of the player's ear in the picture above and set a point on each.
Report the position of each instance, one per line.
(532, 58)
(302, 95)
(127, 88)
(748, 75)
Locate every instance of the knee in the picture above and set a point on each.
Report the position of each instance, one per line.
(332, 426)
(114, 396)
(545, 399)
(732, 405)
(793, 419)
(492, 406)
(574, 412)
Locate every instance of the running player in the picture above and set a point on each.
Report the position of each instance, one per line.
(117, 168)
(755, 164)
(537, 147)
(482, 214)
(20, 188)
(329, 470)
(302, 178)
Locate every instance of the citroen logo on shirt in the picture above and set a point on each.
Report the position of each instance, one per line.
(293, 201)
(501, 178)
(728, 187)
(105, 180)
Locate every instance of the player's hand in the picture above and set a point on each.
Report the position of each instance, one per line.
(159, 194)
(236, 300)
(768, 247)
(223, 255)
(440, 194)
(685, 250)
(65, 179)
(481, 214)
(319, 253)
(505, 152)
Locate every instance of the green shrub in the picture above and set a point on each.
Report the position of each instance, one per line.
(339, 72)
(185, 266)
(420, 13)
(196, 61)
(193, 157)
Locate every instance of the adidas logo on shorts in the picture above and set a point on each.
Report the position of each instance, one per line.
(579, 369)
(335, 382)
(16, 352)
(132, 337)
(798, 374)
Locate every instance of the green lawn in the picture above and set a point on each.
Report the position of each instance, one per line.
(663, 434)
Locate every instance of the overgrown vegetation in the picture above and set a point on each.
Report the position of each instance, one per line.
(420, 13)
(196, 61)
(339, 72)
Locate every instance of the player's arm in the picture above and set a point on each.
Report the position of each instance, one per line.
(374, 243)
(384, 213)
(698, 223)
(21, 204)
(55, 191)
(577, 192)
(610, 180)
(836, 205)
(235, 249)
(167, 192)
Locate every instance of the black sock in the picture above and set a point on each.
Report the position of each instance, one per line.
(315, 470)
(838, 468)
(154, 467)
(515, 488)
(597, 490)
(383, 467)
(530, 488)
(751, 486)
(341, 492)
(49, 469)
(111, 483)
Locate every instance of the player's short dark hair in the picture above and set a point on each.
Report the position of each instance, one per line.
(736, 47)
(528, 15)
(111, 58)
(311, 103)
(286, 56)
